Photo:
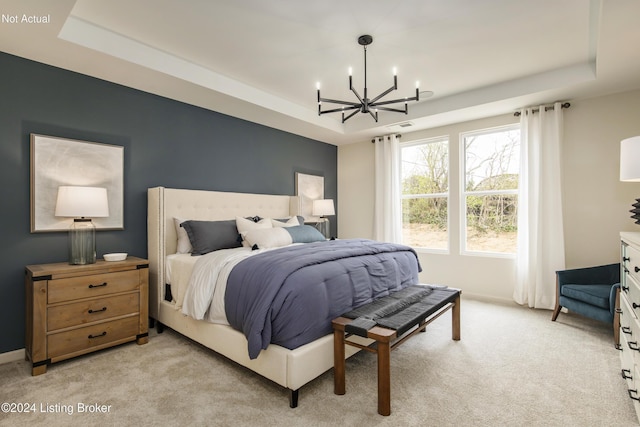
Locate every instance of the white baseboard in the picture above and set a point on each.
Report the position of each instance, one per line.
(485, 298)
(12, 356)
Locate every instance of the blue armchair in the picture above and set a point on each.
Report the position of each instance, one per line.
(592, 292)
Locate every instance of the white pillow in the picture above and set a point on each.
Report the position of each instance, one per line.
(291, 222)
(245, 225)
(184, 244)
(268, 237)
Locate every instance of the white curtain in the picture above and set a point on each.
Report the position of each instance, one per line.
(540, 228)
(387, 212)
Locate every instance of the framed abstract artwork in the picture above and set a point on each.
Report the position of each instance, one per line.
(59, 162)
(308, 188)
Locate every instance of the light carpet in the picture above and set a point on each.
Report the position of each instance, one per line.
(513, 367)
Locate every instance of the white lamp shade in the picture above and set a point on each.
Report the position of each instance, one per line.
(630, 159)
(323, 207)
(88, 202)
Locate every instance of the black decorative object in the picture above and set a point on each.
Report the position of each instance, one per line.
(364, 104)
(636, 211)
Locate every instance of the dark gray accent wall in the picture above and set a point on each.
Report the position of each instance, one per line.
(167, 143)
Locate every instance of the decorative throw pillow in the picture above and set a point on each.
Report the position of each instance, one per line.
(209, 236)
(305, 234)
(268, 238)
(245, 225)
(285, 222)
(282, 236)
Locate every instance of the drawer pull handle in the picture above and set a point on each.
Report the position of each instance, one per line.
(105, 309)
(619, 347)
(626, 374)
(98, 286)
(635, 345)
(625, 288)
(626, 330)
(98, 336)
(630, 394)
(634, 305)
(625, 258)
(619, 311)
(636, 269)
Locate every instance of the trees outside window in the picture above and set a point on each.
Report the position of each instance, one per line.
(425, 193)
(490, 195)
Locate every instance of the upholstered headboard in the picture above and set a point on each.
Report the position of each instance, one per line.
(165, 204)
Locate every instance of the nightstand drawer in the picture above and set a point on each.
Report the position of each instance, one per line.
(92, 286)
(78, 313)
(81, 339)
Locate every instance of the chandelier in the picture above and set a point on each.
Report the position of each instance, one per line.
(364, 103)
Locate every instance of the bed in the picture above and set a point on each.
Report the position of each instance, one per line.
(289, 368)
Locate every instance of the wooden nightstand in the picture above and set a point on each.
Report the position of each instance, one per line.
(76, 309)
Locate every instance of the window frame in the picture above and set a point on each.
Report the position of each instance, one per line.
(464, 193)
(424, 141)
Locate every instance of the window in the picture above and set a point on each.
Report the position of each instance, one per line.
(425, 193)
(490, 195)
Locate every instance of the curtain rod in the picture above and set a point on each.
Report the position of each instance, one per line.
(517, 114)
(374, 138)
(535, 110)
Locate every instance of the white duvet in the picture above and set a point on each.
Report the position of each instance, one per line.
(204, 294)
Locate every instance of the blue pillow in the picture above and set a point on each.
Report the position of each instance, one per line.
(305, 234)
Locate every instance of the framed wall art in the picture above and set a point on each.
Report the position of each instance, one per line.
(308, 188)
(59, 162)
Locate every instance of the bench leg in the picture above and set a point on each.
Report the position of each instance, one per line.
(384, 378)
(455, 319)
(338, 362)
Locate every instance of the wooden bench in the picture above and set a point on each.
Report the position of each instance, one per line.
(385, 340)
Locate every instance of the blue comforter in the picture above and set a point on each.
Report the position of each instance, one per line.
(288, 296)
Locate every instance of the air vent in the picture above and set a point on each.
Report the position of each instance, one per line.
(396, 126)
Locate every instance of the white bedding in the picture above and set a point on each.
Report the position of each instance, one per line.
(178, 269)
(201, 281)
(204, 296)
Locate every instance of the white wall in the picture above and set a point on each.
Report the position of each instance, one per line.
(596, 203)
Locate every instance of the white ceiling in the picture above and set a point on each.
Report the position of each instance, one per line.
(260, 60)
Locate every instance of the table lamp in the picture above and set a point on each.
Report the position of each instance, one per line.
(82, 203)
(323, 208)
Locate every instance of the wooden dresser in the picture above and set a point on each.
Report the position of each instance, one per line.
(76, 309)
(630, 315)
